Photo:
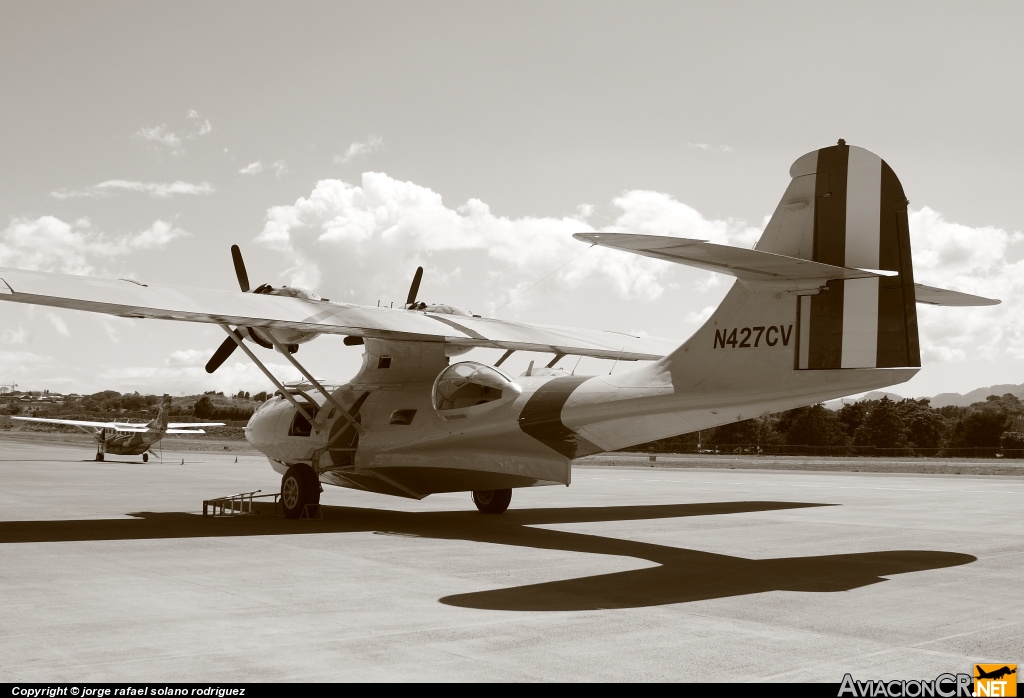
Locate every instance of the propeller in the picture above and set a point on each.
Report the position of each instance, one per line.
(228, 345)
(415, 288)
(243, 278)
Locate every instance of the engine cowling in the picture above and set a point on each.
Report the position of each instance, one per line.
(291, 339)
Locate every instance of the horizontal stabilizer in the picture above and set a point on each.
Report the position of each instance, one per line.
(942, 296)
(753, 266)
(757, 266)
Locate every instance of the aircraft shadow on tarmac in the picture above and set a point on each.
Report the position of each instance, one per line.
(678, 575)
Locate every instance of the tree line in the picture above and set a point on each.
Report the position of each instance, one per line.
(110, 405)
(870, 427)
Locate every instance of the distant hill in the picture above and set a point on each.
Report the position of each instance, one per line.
(942, 399)
(979, 395)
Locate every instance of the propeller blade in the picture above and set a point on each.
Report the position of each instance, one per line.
(221, 355)
(415, 288)
(243, 278)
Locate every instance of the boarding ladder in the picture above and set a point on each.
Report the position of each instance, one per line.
(236, 503)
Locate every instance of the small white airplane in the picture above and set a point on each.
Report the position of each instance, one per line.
(127, 439)
(822, 307)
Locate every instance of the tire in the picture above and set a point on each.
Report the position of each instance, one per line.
(145, 457)
(492, 501)
(299, 487)
(99, 456)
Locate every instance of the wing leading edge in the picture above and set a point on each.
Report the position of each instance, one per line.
(137, 300)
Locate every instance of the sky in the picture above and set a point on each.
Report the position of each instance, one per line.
(343, 144)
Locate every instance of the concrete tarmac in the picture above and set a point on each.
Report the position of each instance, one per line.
(109, 573)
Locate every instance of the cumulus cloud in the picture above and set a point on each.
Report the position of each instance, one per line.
(48, 243)
(360, 148)
(111, 187)
(164, 140)
(973, 260)
(365, 234)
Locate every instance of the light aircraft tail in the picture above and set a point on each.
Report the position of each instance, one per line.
(163, 417)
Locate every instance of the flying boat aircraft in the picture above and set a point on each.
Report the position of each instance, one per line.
(823, 306)
(126, 438)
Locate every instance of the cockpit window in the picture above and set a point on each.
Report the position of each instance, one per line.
(469, 383)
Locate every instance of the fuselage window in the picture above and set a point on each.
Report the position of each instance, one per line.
(300, 425)
(384, 362)
(402, 417)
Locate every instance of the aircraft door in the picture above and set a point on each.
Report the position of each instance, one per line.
(342, 439)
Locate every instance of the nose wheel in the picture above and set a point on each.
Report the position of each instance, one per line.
(492, 501)
(299, 487)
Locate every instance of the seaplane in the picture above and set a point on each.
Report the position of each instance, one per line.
(127, 438)
(823, 306)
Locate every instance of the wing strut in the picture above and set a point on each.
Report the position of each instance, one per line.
(284, 391)
(504, 356)
(351, 420)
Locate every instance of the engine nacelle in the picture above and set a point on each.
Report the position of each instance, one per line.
(291, 339)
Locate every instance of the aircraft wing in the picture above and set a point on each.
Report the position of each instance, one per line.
(187, 425)
(119, 426)
(758, 266)
(134, 299)
(184, 431)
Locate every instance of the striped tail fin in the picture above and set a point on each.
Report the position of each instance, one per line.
(846, 207)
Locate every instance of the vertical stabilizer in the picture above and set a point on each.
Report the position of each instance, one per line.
(160, 422)
(846, 207)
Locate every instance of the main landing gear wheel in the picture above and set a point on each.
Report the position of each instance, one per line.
(299, 487)
(145, 457)
(492, 501)
(99, 456)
